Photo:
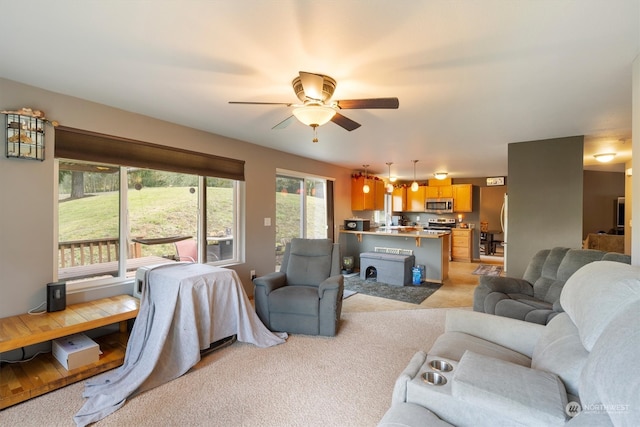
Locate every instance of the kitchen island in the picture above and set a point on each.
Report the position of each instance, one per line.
(430, 249)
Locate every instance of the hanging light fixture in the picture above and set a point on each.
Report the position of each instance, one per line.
(390, 185)
(314, 115)
(414, 184)
(365, 187)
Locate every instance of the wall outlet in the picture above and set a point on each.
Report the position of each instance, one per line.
(253, 274)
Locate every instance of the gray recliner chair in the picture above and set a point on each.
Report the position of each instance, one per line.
(536, 297)
(305, 296)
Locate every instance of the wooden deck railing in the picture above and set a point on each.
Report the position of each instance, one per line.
(94, 251)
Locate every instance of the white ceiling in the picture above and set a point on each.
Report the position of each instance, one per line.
(471, 76)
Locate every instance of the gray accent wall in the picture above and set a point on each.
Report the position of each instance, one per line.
(545, 198)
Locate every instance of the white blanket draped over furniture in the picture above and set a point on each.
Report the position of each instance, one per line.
(184, 308)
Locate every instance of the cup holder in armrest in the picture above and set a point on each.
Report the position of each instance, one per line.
(434, 378)
(441, 365)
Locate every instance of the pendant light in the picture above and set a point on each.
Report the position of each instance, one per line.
(389, 185)
(365, 187)
(414, 184)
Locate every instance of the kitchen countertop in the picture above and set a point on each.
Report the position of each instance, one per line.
(401, 231)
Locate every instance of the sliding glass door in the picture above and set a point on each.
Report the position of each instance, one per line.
(302, 210)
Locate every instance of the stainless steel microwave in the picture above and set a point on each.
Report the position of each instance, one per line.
(444, 205)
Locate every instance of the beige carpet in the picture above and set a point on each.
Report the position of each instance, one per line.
(308, 381)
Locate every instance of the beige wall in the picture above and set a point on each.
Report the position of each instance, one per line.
(27, 217)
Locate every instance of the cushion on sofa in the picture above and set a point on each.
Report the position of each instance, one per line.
(560, 351)
(452, 345)
(595, 293)
(610, 381)
(527, 395)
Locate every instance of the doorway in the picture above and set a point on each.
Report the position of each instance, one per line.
(492, 235)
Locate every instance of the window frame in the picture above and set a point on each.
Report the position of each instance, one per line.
(121, 279)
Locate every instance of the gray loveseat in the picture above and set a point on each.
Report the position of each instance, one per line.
(581, 369)
(535, 297)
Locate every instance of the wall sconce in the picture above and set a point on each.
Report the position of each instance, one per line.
(25, 133)
(414, 184)
(629, 172)
(440, 175)
(604, 157)
(365, 187)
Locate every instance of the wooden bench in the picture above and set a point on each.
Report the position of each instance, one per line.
(24, 380)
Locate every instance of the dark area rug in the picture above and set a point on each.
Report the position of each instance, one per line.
(413, 294)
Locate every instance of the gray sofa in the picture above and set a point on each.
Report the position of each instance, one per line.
(534, 298)
(581, 369)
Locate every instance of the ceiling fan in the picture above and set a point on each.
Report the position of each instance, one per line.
(317, 108)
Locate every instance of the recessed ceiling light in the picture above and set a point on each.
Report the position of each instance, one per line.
(604, 157)
(440, 175)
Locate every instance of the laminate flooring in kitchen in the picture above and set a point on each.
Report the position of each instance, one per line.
(456, 291)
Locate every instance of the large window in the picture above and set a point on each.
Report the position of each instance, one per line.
(114, 219)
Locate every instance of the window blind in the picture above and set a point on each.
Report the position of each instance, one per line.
(78, 144)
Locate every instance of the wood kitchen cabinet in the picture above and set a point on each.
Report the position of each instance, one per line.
(415, 199)
(438, 192)
(461, 244)
(462, 197)
(399, 199)
(371, 201)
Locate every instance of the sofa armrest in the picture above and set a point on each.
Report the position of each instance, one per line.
(331, 283)
(507, 285)
(411, 371)
(270, 282)
(530, 396)
(516, 335)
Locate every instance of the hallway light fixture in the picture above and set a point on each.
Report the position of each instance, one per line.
(414, 184)
(389, 184)
(440, 175)
(365, 187)
(604, 157)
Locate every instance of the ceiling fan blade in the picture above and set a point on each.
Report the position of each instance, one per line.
(368, 103)
(288, 104)
(286, 122)
(312, 84)
(345, 122)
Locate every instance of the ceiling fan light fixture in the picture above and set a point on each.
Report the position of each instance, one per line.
(314, 115)
(440, 175)
(604, 157)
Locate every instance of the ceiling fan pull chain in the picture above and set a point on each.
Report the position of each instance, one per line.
(315, 133)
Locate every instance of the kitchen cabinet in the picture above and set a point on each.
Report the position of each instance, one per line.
(461, 244)
(462, 197)
(399, 199)
(438, 192)
(415, 199)
(371, 201)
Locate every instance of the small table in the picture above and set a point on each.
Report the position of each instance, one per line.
(491, 242)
